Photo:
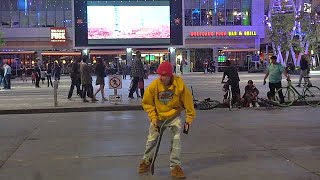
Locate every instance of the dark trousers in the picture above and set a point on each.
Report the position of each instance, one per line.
(273, 87)
(87, 90)
(77, 84)
(7, 81)
(37, 81)
(49, 80)
(235, 89)
(134, 86)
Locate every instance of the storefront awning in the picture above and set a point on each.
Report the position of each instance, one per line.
(16, 52)
(106, 52)
(240, 50)
(60, 53)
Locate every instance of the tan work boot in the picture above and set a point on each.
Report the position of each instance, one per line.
(177, 172)
(144, 166)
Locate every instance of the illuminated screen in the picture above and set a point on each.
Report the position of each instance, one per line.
(120, 23)
(124, 23)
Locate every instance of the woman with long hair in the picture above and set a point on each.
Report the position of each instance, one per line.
(100, 73)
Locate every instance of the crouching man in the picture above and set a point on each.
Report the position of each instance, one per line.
(165, 99)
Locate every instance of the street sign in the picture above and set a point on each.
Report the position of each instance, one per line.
(115, 99)
(115, 82)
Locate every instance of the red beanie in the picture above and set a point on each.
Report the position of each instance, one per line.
(165, 69)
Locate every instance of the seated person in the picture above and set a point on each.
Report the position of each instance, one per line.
(249, 98)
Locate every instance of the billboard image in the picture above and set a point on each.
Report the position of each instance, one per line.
(128, 22)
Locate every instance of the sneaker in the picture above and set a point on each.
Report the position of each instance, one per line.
(144, 166)
(130, 97)
(177, 172)
(298, 85)
(85, 100)
(251, 105)
(257, 104)
(104, 99)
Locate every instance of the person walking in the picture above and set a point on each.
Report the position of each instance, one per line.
(100, 70)
(274, 72)
(7, 76)
(137, 73)
(37, 73)
(86, 81)
(43, 75)
(1, 74)
(304, 72)
(56, 72)
(164, 100)
(23, 74)
(49, 74)
(75, 79)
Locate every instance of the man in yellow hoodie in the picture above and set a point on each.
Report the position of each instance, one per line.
(165, 99)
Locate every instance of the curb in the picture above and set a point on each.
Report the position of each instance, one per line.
(104, 108)
(75, 109)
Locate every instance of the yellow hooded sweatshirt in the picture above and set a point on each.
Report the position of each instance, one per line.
(162, 102)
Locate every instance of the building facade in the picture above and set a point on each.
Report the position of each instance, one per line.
(213, 31)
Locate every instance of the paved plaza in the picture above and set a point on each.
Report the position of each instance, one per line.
(25, 98)
(245, 144)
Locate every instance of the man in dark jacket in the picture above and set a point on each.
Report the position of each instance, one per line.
(37, 72)
(304, 71)
(233, 80)
(75, 79)
(137, 73)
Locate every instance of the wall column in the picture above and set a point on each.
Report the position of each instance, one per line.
(215, 58)
(129, 56)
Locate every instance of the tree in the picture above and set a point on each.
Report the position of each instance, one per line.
(280, 34)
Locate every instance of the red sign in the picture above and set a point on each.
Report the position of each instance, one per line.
(58, 35)
(222, 33)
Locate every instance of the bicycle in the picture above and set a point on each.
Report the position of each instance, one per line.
(310, 95)
(205, 104)
(229, 96)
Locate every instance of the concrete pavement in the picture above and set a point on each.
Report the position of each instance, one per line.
(24, 98)
(245, 144)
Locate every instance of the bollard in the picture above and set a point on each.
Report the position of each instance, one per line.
(55, 93)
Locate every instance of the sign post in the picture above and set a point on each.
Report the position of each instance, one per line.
(55, 93)
(115, 83)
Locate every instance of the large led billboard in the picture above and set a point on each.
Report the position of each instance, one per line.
(128, 23)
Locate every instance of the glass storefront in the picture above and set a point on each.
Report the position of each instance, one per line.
(217, 12)
(35, 13)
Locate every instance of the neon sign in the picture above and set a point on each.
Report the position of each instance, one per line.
(223, 33)
(58, 35)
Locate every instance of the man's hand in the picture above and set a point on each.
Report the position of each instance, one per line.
(154, 122)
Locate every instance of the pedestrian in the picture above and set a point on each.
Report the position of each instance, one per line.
(37, 73)
(100, 70)
(304, 72)
(33, 77)
(23, 74)
(1, 74)
(137, 73)
(49, 74)
(274, 72)
(165, 99)
(124, 71)
(7, 76)
(56, 72)
(43, 75)
(86, 81)
(75, 79)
